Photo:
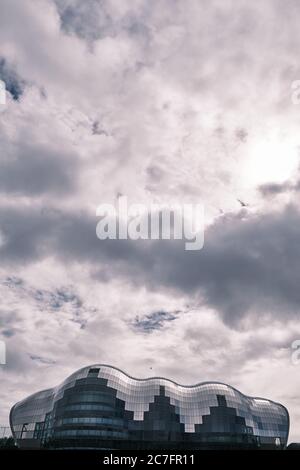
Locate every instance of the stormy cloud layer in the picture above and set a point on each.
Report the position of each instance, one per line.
(162, 101)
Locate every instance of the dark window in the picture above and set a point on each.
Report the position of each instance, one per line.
(221, 400)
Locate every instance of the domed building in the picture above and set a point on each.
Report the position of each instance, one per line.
(102, 407)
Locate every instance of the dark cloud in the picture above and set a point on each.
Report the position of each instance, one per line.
(153, 321)
(240, 269)
(247, 264)
(8, 332)
(10, 323)
(273, 189)
(60, 299)
(155, 174)
(32, 169)
(90, 21)
(42, 360)
(96, 19)
(24, 232)
(97, 129)
(241, 135)
(13, 83)
(12, 281)
(57, 299)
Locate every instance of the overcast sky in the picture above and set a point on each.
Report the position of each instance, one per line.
(161, 101)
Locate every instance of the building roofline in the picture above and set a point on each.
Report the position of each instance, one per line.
(198, 384)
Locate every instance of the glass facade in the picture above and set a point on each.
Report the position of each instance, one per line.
(102, 407)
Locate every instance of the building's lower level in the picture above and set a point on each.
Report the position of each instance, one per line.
(101, 407)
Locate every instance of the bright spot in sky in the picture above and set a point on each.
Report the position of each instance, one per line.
(270, 161)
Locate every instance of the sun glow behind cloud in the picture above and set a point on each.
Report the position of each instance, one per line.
(270, 160)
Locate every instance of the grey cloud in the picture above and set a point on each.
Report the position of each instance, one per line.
(155, 174)
(153, 321)
(97, 19)
(97, 129)
(241, 135)
(9, 332)
(239, 270)
(11, 281)
(32, 169)
(14, 84)
(17, 361)
(61, 298)
(274, 189)
(90, 21)
(58, 300)
(9, 323)
(246, 264)
(42, 360)
(24, 233)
